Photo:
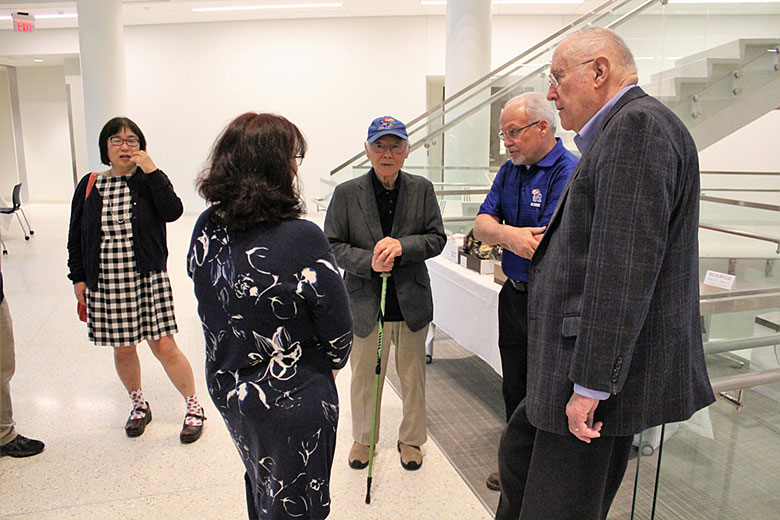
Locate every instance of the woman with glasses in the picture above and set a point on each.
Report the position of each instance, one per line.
(117, 256)
(275, 317)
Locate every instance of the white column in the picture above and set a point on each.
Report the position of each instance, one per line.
(102, 54)
(468, 48)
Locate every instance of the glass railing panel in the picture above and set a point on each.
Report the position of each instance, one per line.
(720, 465)
(761, 188)
(519, 75)
(737, 228)
(741, 214)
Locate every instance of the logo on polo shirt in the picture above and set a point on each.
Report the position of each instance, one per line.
(536, 198)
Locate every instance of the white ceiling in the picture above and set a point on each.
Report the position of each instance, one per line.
(143, 12)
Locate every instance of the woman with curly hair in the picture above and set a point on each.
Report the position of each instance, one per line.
(275, 316)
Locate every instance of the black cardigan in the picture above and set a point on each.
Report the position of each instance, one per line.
(154, 204)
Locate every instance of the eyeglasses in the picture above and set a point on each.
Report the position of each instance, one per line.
(555, 79)
(117, 141)
(515, 132)
(298, 158)
(396, 148)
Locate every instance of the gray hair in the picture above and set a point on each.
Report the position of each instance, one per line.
(536, 107)
(592, 41)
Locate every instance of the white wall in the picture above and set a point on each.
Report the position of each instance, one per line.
(73, 80)
(8, 174)
(45, 132)
(329, 76)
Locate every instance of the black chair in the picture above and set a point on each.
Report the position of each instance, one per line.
(16, 209)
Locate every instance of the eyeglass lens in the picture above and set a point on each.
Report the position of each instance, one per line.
(382, 148)
(131, 141)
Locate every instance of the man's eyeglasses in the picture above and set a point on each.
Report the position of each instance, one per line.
(555, 79)
(298, 158)
(396, 148)
(515, 132)
(117, 141)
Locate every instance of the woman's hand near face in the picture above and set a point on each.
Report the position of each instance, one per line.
(80, 289)
(142, 159)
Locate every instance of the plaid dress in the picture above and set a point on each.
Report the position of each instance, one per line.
(127, 307)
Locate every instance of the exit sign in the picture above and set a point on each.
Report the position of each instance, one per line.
(23, 22)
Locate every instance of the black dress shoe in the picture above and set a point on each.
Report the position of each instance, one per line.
(190, 433)
(136, 427)
(21, 446)
(492, 482)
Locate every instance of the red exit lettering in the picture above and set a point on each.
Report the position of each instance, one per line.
(25, 26)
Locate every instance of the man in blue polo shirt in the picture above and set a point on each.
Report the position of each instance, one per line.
(514, 215)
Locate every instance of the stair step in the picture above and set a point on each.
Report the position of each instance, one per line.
(734, 49)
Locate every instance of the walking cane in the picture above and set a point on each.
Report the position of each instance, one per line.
(377, 372)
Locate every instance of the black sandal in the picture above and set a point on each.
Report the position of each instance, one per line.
(190, 433)
(136, 427)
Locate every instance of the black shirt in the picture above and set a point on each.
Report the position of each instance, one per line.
(385, 201)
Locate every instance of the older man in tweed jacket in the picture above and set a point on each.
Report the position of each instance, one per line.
(614, 327)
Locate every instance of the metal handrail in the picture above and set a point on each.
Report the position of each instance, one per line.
(737, 173)
(731, 231)
(742, 203)
(465, 94)
(729, 345)
(744, 190)
(743, 381)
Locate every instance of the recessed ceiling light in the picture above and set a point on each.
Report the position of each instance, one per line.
(37, 60)
(43, 16)
(56, 15)
(267, 6)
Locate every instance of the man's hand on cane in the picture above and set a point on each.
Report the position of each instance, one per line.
(385, 252)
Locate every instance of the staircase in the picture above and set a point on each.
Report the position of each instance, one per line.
(714, 92)
(720, 90)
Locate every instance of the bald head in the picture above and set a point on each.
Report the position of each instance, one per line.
(593, 41)
(589, 68)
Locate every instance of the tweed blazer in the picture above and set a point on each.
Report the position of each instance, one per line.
(353, 228)
(614, 286)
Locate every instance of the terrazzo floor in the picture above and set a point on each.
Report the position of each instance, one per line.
(66, 393)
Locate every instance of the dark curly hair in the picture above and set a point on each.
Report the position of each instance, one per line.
(250, 176)
(113, 127)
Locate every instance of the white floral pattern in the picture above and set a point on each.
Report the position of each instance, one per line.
(267, 313)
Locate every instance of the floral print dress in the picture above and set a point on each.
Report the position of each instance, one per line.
(276, 320)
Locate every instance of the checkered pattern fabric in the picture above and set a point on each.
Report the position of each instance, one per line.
(128, 307)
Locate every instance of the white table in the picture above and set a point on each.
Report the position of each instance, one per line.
(465, 306)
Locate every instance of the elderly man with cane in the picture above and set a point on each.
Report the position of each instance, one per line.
(387, 221)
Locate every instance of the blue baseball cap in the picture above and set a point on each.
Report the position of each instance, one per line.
(386, 125)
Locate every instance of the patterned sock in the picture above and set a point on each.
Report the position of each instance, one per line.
(137, 396)
(193, 407)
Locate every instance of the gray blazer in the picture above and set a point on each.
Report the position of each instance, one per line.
(614, 297)
(353, 228)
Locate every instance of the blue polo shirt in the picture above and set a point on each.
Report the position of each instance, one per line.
(526, 196)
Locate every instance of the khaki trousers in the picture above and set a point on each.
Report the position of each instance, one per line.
(410, 365)
(7, 367)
